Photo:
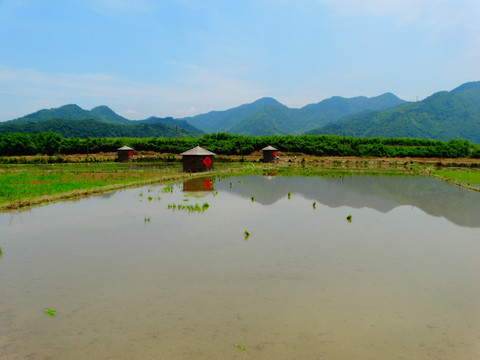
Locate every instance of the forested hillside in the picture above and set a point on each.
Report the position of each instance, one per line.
(73, 112)
(267, 116)
(275, 119)
(94, 128)
(444, 115)
(221, 121)
(101, 121)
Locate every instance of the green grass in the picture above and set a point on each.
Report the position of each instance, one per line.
(25, 183)
(468, 177)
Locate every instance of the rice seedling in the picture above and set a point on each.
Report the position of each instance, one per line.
(50, 312)
(167, 189)
(1, 251)
(253, 198)
(349, 218)
(241, 347)
(150, 198)
(193, 195)
(147, 219)
(189, 208)
(230, 184)
(289, 194)
(314, 203)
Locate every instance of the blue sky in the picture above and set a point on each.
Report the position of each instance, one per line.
(184, 57)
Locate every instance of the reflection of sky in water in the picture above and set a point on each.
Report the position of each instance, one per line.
(395, 282)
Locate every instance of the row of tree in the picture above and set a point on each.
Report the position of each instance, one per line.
(19, 144)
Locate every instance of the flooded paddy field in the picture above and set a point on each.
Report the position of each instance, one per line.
(146, 274)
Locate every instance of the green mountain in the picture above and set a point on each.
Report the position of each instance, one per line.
(101, 121)
(78, 128)
(335, 108)
(104, 113)
(71, 112)
(171, 122)
(221, 121)
(267, 116)
(275, 119)
(443, 116)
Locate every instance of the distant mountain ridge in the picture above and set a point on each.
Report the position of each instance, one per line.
(221, 121)
(444, 115)
(101, 121)
(94, 128)
(267, 116)
(73, 112)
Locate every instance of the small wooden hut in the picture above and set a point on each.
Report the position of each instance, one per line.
(197, 159)
(125, 153)
(269, 154)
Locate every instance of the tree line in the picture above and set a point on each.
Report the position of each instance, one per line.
(50, 143)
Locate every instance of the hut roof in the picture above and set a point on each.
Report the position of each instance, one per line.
(269, 148)
(197, 150)
(125, 148)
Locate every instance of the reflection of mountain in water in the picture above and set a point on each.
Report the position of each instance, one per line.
(382, 193)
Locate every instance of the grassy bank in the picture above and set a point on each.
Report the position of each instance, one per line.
(22, 186)
(25, 185)
(468, 178)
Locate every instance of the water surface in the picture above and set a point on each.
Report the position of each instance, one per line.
(132, 279)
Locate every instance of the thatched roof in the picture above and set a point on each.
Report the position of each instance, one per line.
(125, 148)
(269, 148)
(197, 150)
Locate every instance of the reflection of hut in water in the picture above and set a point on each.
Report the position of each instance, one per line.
(197, 159)
(198, 186)
(125, 153)
(269, 154)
